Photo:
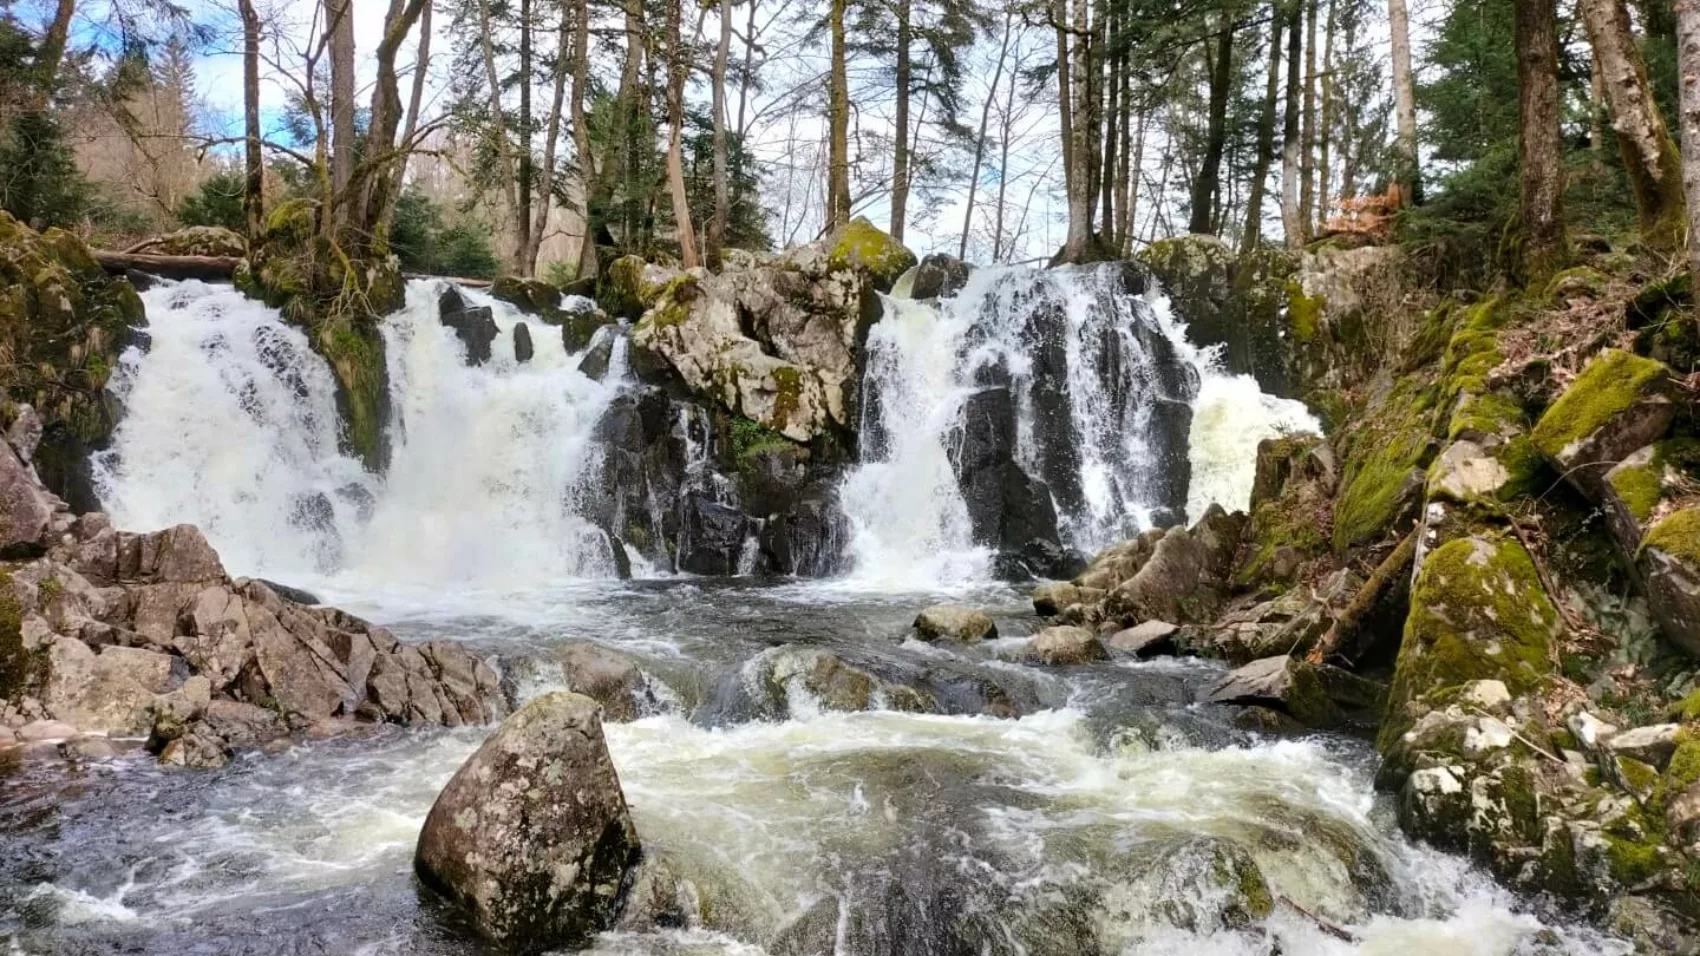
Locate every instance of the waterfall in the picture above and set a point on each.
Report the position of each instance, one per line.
(1114, 421)
(488, 464)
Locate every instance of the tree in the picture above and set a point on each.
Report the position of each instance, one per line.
(838, 125)
(221, 200)
(253, 192)
(722, 175)
(1540, 151)
(339, 25)
(1404, 94)
(1292, 218)
(1688, 59)
(1207, 185)
(676, 67)
(1649, 156)
(1265, 133)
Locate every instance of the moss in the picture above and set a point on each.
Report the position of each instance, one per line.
(1678, 535)
(14, 659)
(789, 383)
(1688, 708)
(1684, 768)
(749, 438)
(859, 244)
(1478, 416)
(1478, 612)
(1525, 466)
(1613, 382)
(1637, 776)
(1659, 298)
(1639, 487)
(1304, 312)
(1633, 861)
(355, 352)
(1575, 281)
(1383, 466)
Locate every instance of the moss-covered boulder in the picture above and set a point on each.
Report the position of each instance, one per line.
(860, 246)
(1292, 510)
(1669, 564)
(1619, 403)
(63, 324)
(297, 269)
(1478, 612)
(1384, 454)
(199, 241)
(629, 286)
(577, 318)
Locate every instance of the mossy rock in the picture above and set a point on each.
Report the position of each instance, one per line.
(859, 245)
(1478, 612)
(200, 241)
(1658, 299)
(531, 296)
(355, 351)
(16, 666)
(1384, 462)
(1673, 339)
(63, 324)
(1577, 282)
(625, 289)
(1617, 389)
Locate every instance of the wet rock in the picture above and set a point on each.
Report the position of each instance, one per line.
(532, 836)
(712, 537)
(297, 595)
(1315, 695)
(44, 730)
(522, 342)
(1201, 885)
(476, 328)
(600, 354)
(1150, 639)
(1653, 745)
(26, 508)
(658, 898)
(608, 677)
(955, 623)
(1186, 577)
(824, 679)
(937, 275)
(89, 748)
(1056, 646)
(195, 751)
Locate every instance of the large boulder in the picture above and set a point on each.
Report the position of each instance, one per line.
(610, 678)
(955, 623)
(1063, 645)
(1315, 695)
(198, 241)
(1669, 563)
(532, 836)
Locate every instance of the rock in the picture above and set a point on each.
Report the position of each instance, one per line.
(1280, 683)
(89, 748)
(198, 241)
(600, 354)
(1669, 564)
(608, 677)
(938, 275)
(42, 730)
(1619, 403)
(1487, 695)
(712, 537)
(1056, 646)
(118, 691)
(476, 328)
(798, 678)
(1653, 745)
(954, 622)
(1186, 576)
(1150, 639)
(860, 246)
(26, 508)
(532, 836)
(522, 343)
(657, 898)
(1200, 885)
(1051, 597)
(24, 433)
(196, 752)
(288, 593)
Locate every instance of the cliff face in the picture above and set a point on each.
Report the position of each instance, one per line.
(1504, 523)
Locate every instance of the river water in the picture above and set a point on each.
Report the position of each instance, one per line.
(1094, 821)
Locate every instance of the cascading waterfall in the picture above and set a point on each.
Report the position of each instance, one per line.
(1105, 390)
(486, 469)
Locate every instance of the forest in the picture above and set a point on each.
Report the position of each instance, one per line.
(472, 137)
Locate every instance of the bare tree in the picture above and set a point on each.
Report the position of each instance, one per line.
(1649, 156)
(1540, 147)
(253, 192)
(1688, 63)
(1404, 93)
(838, 127)
(676, 68)
(722, 171)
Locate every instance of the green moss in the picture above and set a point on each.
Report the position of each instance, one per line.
(1684, 768)
(859, 244)
(1613, 382)
(1659, 298)
(1525, 466)
(672, 303)
(1677, 534)
(355, 352)
(1304, 312)
(1640, 487)
(1478, 612)
(749, 438)
(14, 660)
(1577, 280)
(1386, 451)
(1688, 709)
(789, 381)
(1478, 416)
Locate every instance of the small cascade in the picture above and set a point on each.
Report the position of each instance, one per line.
(492, 467)
(1037, 413)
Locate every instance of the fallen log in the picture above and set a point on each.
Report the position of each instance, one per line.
(1386, 576)
(168, 267)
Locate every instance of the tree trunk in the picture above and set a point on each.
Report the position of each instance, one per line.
(1080, 147)
(1688, 74)
(1208, 183)
(1325, 129)
(1540, 148)
(593, 214)
(1292, 223)
(551, 132)
(980, 141)
(253, 192)
(1649, 156)
(376, 178)
(1065, 107)
(1265, 134)
(1307, 140)
(1130, 209)
(339, 20)
(838, 128)
(51, 52)
(900, 132)
(1006, 125)
(522, 213)
(1404, 96)
(498, 126)
(416, 98)
(722, 187)
(1125, 162)
(1107, 168)
(676, 138)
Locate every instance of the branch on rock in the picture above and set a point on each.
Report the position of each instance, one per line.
(1346, 625)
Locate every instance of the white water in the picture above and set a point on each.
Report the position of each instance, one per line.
(906, 510)
(230, 424)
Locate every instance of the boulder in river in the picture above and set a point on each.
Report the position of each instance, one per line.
(1065, 645)
(955, 623)
(532, 836)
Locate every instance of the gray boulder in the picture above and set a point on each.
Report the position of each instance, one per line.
(954, 622)
(608, 677)
(532, 836)
(1056, 646)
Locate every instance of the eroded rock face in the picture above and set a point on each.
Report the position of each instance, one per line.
(531, 836)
